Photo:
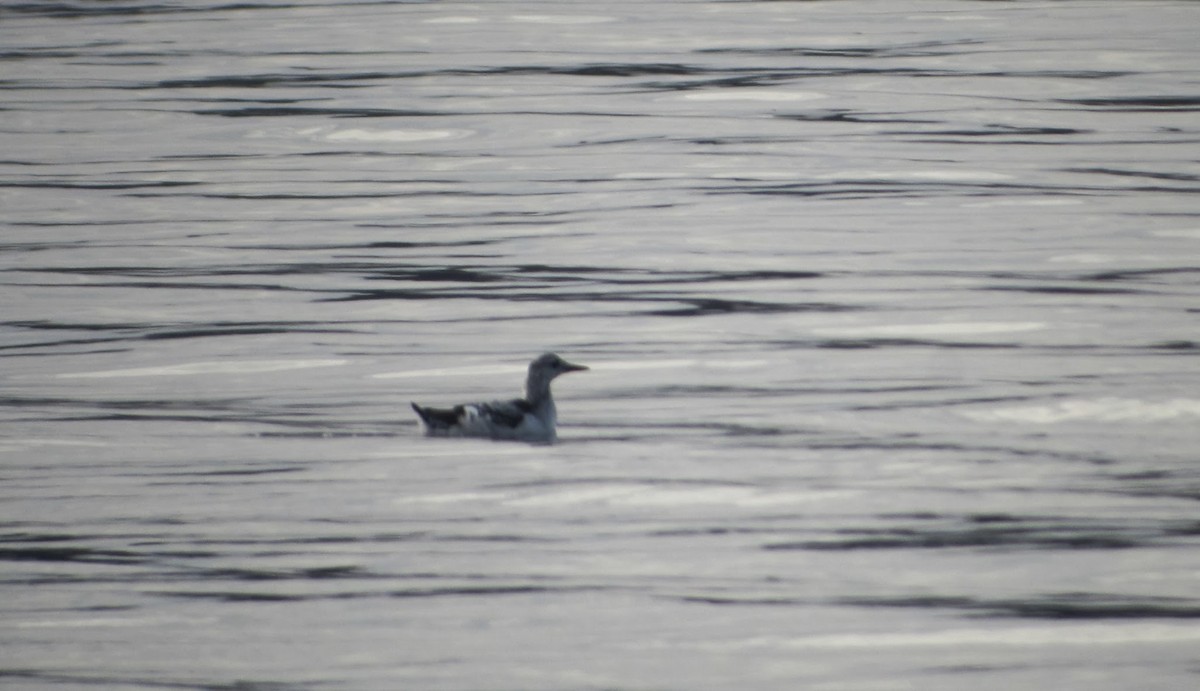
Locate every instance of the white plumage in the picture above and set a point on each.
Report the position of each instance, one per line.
(532, 418)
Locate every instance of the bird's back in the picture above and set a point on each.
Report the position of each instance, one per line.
(516, 419)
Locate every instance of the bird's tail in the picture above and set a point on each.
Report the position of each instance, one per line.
(427, 425)
(438, 419)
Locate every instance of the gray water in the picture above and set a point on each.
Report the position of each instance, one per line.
(891, 310)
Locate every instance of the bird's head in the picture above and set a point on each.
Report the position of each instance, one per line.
(549, 366)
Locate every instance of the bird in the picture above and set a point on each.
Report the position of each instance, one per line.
(530, 419)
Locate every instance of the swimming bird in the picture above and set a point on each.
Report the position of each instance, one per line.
(530, 419)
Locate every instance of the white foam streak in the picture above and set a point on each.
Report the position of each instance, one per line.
(1099, 410)
(1027, 636)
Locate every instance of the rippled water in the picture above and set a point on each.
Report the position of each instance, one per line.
(891, 310)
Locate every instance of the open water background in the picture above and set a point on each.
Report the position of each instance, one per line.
(891, 309)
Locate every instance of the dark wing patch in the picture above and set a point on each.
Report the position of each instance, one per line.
(507, 413)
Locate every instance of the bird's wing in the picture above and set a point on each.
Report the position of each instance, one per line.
(497, 419)
(504, 413)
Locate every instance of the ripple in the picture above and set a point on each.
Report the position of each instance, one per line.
(1065, 606)
(994, 532)
(928, 330)
(191, 369)
(768, 95)
(1106, 634)
(561, 19)
(363, 135)
(1109, 409)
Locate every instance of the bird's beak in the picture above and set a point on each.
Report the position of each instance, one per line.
(570, 367)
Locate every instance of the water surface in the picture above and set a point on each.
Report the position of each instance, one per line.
(891, 310)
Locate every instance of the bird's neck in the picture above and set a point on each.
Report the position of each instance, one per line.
(537, 389)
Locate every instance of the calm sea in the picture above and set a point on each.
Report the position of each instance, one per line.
(892, 312)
